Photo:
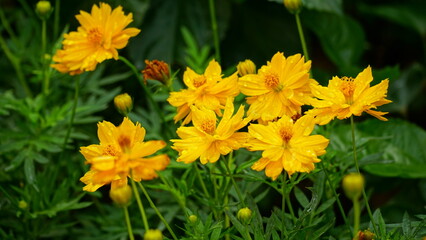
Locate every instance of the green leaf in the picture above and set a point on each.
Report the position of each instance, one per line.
(406, 225)
(300, 196)
(341, 37)
(29, 170)
(333, 6)
(402, 153)
(408, 15)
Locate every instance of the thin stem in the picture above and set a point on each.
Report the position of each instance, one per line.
(74, 107)
(181, 201)
(151, 203)
(43, 59)
(339, 204)
(283, 192)
(357, 214)
(16, 63)
(203, 186)
(290, 207)
(367, 205)
(354, 145)
(139, 202)
(214, 29)
(237, 189)
(147, 93)
(129, 225)
(302, 37)
(56, 20)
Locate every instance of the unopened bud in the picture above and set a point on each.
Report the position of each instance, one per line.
(193, 218)
(353, 184)
(244, 215)
(156, 70)
(121, 195)
(123, 103)
(293, 6)
(43, 9)
(365, 235)
(22, 204)
(153, 234)
(246, 67)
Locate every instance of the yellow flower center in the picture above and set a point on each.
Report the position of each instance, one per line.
(199, 81)
(347, 86)
(272, 81)
(95, 36)
(124, 142)
(286, 133)
(208, 126)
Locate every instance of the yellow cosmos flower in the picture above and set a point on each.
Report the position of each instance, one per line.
(208, 90)
(208, 140)
(279, 88)
(286, 146)
(344, 97)
(101, 33)
(121, 153)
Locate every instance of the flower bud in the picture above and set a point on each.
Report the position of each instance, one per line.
(244, 215)
(246, 67)
(123, 103)
(43, 9)
(156, 70)
(153, 234)
(293, 6)
(365, 235)
(193, 218)
(353, 184)
(121, 195)
(22, 204)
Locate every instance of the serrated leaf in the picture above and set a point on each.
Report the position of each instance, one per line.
(406, 225)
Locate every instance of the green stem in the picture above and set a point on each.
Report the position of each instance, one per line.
(181, 201)
(16, 63)
(367, 205)
(46, 79)
(214, 30)
(339, 204)
(290, 207)
(129, 225)
(56, 20)
(203, 186)
(283, 192)
(148, 94)
(139, 202)
(357, 214)
(237, 189)
(74, 107)
(151, 203)
(302, 37)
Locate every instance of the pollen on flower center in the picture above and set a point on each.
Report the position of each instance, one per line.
(208, 126)
(110, 151)
(347, 86)
(199, 81)
(286, 133)
(272, 81)
(95, 36)
(124, 142)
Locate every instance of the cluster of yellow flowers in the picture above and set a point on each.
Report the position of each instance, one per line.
(275, 96)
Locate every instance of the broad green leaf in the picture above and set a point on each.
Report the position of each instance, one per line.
(408, 15)
(341, 37)
(333, 6)
(402, 154)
